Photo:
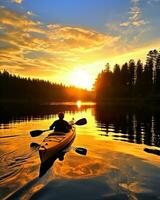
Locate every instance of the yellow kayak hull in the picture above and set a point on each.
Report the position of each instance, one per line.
(54, 143)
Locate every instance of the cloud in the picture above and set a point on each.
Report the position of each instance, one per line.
(32, 48)
(17, 1)
(21, 30)
(37, 49)
(135, 12)
(146, 1)
(134, 17)
(16, 21)
(134, 30)
(78, 38)
(30, 13)
(135, 1)
(153, 1)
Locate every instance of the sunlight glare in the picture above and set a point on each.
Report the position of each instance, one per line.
(81, 78)
(78, 103)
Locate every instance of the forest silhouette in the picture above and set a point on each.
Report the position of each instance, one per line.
(132, 80)
(18, 89)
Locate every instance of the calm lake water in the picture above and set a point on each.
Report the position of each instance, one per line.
(122, 162)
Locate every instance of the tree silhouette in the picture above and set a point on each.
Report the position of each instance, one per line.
(139, 78)
(131, 80)
(15, 88)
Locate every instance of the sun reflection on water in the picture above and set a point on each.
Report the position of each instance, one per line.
(120, 165)
(78, 103)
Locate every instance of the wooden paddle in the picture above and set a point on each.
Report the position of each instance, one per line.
(36, 133)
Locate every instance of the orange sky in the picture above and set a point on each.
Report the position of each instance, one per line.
(70, 48)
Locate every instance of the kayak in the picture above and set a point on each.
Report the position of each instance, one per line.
(54, 143)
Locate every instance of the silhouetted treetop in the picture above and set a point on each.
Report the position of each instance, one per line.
(131, 80)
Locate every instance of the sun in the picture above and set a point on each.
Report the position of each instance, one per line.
(82, 79)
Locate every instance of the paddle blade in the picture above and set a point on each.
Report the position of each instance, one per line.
(81, 150)
(36, 133)
(35, 145)
(82, 121)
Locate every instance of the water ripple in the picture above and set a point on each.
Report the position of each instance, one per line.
(12, 166)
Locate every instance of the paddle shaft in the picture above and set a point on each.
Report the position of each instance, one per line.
(36, 133)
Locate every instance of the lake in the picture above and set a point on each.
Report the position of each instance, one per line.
(122, 161)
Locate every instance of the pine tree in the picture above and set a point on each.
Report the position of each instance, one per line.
(157, 78)
(139, 79)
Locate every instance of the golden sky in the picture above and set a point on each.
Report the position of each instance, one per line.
(70, 41)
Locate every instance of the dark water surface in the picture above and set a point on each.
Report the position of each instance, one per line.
(123, 159)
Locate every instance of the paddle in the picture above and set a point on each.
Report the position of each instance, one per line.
(79, 150)
(36, 133)
(80, 122)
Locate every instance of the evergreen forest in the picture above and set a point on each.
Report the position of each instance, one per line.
(17, 89)
(132, 80)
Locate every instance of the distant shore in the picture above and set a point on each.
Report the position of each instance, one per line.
(138, 100)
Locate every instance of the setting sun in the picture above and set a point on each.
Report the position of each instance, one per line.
(81, 78)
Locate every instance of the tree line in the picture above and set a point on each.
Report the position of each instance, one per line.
(130, 80)
(16, 88)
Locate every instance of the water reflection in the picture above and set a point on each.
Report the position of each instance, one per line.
(111, 170)
(78, 104)
(11, 113)
(129, 124)
(45, 166)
